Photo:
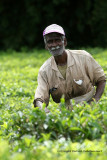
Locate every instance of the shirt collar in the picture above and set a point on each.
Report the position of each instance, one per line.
(70, 60)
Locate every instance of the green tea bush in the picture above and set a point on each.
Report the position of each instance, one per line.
(29, 133)
(83, 122)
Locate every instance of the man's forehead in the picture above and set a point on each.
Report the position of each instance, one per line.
(52, 35)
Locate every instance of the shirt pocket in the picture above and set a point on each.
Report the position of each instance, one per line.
(56, 93)
(79, 86)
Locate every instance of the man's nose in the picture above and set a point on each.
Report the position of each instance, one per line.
(53, 44)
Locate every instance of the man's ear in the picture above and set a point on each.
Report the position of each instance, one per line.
(65, 41)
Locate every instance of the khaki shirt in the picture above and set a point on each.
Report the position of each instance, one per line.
(82, 74)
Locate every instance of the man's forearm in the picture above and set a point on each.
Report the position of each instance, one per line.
(99, 90)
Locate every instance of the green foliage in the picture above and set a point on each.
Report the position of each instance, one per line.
(29, 133)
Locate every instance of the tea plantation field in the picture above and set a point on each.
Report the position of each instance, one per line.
(26, 133)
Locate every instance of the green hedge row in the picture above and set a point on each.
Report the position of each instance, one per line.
(83, 122)
(29, 149)
(27, 133)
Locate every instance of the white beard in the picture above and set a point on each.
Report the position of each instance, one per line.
(56, 51)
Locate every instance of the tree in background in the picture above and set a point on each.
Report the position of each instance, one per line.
(23, 21)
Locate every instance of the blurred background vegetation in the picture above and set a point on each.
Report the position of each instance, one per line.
(23, 21)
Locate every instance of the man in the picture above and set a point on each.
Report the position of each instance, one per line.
(69, 73)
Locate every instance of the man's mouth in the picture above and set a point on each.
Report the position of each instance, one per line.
(55, 48)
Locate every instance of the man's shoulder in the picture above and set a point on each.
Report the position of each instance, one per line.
(46, 65)
(79, 53)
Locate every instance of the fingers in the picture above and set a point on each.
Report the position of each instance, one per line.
(47, 110)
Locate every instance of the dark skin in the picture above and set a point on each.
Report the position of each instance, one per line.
(99, 91)
(53, 40)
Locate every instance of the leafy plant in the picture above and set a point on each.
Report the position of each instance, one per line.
(29, 133)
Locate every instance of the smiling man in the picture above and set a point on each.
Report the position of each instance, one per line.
(69, 73)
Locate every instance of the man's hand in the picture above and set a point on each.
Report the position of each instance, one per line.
(99, 91)
(47, 110)
(39, 104)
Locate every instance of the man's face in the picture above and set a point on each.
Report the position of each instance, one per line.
(55, 44)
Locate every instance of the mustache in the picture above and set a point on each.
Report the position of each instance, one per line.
(54, 48)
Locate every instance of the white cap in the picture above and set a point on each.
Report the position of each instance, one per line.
(53, 28)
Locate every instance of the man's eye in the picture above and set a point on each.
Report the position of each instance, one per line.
(55, 40)
(58, 40)
(49, 42)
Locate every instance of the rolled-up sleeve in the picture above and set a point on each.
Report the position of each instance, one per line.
(42, 91)
(95, 71)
